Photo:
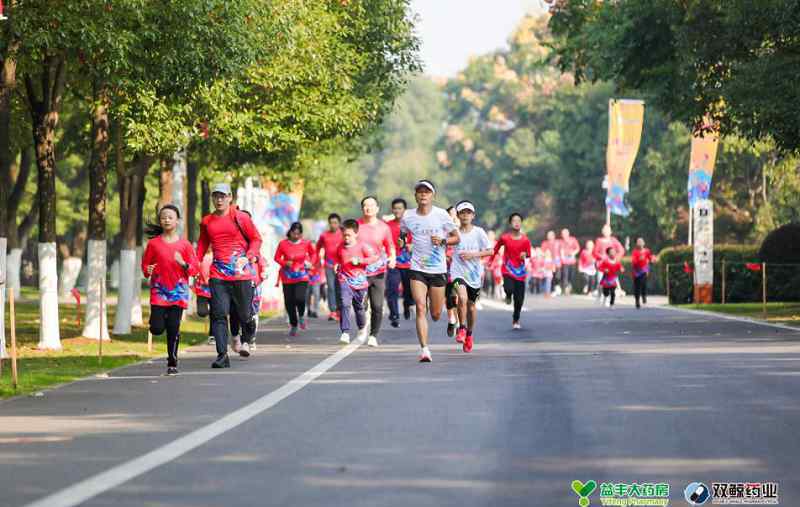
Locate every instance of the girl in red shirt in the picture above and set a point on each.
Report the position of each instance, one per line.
(516, 248)
(610, 267)
(296, 256)
(587, 265)
(641, 257)
(168, 261)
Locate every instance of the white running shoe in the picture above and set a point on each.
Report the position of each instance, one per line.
(244, 350)
(372, 342)
(212, 340)
(425, 355)
(362, 336)
(345, 338)
(478, 306)
(606, 302)
(516, 325)
(236, 343)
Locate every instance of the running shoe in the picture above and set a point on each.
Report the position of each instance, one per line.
(345, 338)
(245, 350)
(172, 370)
(606, 302)
(407, 313)
(451, 329)
(508, 299)
(221, 362)
(425, 356)
(372, 341)
(303, 326)
(236, 344)
(468, 341)
(362, 336)
(331, 318)
(212, 340)
(293, 331)
(516, 325)
(461, 335)
(395, 323)
(337, 316)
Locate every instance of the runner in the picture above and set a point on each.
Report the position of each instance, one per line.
(450, 295)
(569, 250)
(329, 242)
(432, 229)
(376, 234)
(610, 267)
(601, 246)
(488, 276)
(466, 271)
(537, 271)
(516, 248)
(296, 256)
(548, 271)
(168, 261)
(553, 245)
(203, 292)
(399, 277)
(313, 292)
(236, 243)
(354, 257)
(641, 258)
(587, 265)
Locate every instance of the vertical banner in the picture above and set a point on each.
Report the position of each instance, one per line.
(625, 121)
(701, 162)
(703, 211)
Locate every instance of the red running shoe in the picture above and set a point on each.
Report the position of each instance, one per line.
(336, 316)
(468, 343)
(462, 333)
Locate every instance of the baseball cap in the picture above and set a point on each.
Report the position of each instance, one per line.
(221, 188)
(427, 184)
(465, 205)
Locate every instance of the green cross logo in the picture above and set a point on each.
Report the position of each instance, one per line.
(583, 491)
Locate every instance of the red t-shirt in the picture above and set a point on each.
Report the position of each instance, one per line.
(601, 245)
(298, 254)
(586, 259)
(355, 275)
(640, 261)
(229, 245)
(554, 247)
(513, 264)
(169, 282)
(330, 242)
(379, 237)
(403, 254)
(610, 270)
(568, 246)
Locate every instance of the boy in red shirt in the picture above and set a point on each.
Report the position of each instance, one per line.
(641, 258)
(330, 241)
(611, 268)
(354, 257)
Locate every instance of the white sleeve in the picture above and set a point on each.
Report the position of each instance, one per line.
(483, 240)
(447, 223)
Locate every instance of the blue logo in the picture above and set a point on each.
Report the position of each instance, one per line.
(697, 493)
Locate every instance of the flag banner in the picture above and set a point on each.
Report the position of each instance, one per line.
(625, 121)
(701, 162)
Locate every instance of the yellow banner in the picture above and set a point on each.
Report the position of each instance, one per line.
(625, 119)
(702, 161)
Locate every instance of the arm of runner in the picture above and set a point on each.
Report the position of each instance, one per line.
(203, 241)
(311, 255)
(453, 238)
(368, 255)
(189, 257)
(147, 261)
(388, 244)
(252, 234)
(279, 255)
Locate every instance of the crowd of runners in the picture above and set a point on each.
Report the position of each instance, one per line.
(426, 258)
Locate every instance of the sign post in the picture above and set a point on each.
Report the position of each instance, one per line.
(703, 236)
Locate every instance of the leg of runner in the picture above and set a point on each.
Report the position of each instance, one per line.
(451, 302)
(376, 290)
(344, 313)
(168, 318)
(519, 299)
(421, 293)
(508, 288)
(243, 292)
(462, 301)
(291, 306)
(393, 281)
(220, 308)
(637, 289)
(300, 301)
(330, 286)
(408, 298)
(235, 329)
(472, 317)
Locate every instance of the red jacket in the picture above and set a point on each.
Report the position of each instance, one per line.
(229, 244)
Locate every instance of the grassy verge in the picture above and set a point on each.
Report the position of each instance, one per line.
(780, 313)
(40, 369)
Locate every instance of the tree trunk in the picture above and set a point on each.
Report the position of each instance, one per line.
(165, 181)
(191, 202)
(205, 198)
(44, 120)
(131, 186)
(17, 233)
(3, 276)
(97, 270)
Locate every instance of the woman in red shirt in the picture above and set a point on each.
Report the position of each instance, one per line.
(516, 248)
(641, 257)
(610, 267)
(296, 256)
(168, 261)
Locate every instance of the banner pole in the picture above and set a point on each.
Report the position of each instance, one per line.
(723, 281)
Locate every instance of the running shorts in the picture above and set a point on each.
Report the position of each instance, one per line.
(429, 279)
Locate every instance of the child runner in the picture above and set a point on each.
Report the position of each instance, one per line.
(641, 258)
(432, 229)
(587, 265)
(168, 261)
(449, 291)
(553, 245)
(537, 267)
(330, 241)
(374, 232)
(569, 249)
(516, 248)
(610, 267)
(548, 269)
(296, 256)
(354, 257)
(398, 278)
(601, 246)
(466, 271)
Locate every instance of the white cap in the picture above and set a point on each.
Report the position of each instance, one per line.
(427, 184)
(221, 188)
(464, 205)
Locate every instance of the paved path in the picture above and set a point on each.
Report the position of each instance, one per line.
(581, 392)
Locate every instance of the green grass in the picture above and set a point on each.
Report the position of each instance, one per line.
(40, 369)
(782, 313)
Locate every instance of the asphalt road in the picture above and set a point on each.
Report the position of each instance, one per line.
(581, 392)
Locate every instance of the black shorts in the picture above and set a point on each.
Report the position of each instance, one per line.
(429, 279)
(451, 294)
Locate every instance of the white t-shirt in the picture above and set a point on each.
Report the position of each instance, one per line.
(470, 271)
(426, 257)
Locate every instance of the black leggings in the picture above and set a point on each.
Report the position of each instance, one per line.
(516, 289)
(167, 318)
(294, 299)
(375, 292)
(640, 288)
(610, 292)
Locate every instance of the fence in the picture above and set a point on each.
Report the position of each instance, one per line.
(737, 282)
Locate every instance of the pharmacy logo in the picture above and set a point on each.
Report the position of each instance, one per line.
(696, 493)
(583, 491)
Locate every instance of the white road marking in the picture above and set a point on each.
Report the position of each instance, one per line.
(120, 474)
